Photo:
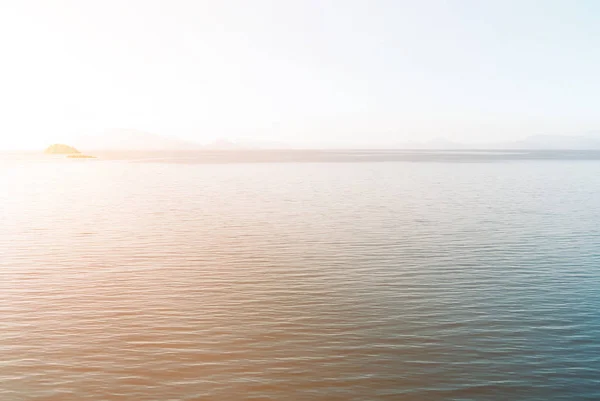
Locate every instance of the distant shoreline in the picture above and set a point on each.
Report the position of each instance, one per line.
(317, 156)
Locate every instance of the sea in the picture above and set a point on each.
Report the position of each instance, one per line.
(300, 275)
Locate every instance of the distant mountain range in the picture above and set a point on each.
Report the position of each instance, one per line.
(128, 139)
(588, 141)
(134, 140)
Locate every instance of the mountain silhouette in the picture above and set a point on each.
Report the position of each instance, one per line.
(134, 140)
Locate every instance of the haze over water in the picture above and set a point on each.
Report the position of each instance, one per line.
(392, 280)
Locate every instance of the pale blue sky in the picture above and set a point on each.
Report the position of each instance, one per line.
(311, 72)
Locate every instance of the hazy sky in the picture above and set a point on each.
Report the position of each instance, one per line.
(315, 72)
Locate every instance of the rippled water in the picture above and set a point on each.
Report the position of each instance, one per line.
(300, 281)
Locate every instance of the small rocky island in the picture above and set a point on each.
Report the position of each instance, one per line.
(71, 152)
(60, 149)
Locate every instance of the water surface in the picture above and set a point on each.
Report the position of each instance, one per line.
(384, 279)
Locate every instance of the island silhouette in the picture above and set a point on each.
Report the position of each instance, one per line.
(62, 149)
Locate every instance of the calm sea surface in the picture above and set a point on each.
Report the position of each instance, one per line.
(378, 277)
